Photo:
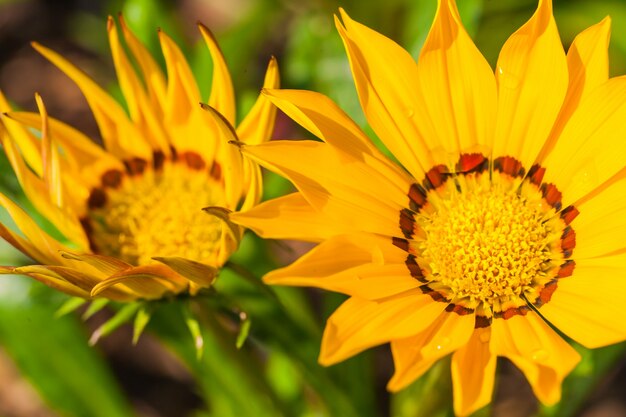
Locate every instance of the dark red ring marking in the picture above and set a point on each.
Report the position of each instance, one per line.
(193, 160)
(477, 163)
(112, 178)
(135, 166)
(216, 171)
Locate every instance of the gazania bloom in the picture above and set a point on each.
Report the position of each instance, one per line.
(128, 215)
(505, 218)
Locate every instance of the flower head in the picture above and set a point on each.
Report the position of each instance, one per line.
(128, 214)
(503, 219)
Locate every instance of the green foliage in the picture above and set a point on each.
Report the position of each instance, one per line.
(52, 353)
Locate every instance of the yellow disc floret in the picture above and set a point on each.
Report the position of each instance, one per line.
(487, 242)
(158, 213)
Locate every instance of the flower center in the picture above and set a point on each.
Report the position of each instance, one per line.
(148, 212)
(491, 242)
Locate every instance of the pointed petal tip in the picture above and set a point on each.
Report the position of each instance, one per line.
(95, 336)
(39, 47)
(110, 23)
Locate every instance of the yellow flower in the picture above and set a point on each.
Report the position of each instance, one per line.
(506, 221)
(128, 215)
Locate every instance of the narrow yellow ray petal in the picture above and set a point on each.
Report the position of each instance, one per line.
(75, 277)
(182, 91)
(231, 157)
(458, 85)
(591, 147)
(361, 265)
(532, 81)
(52, 281)
(50, 159)
(151, 281)
(341, 187)
(473, 374)
(540, 353)
(414, 355)
(47, 247)
(197, 272)
(322, 117)
(63, 218)
(21, 244)
(588, 66)
(76, 146)
(253, 184)
(598, 285)
(258, 125)
(389, 94)
(120, 136)
(222, 96)
(152, 74)
(359, 324)
(107, 265)
(30, 146)
(288, 217)
(139, 106)
(601, 225)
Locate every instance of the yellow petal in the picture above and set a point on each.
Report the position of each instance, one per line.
(52, 281)
(29, 145)
(288, 217)
(256, 128)
(182, 91)
(148, 281)
(601, 225)
(588, 67)
(532, 81)
(473, 374)
(197, 272)
(106, 265)
(139, 105)
(63, 218)
(79, 279)
(258, 125)
(51, 174)
(120, 136)
(540, 353)
(414, 355)
(591, 147)
(458, 85)
(321, 116)
(361, 265)
(359, 324)
(230, 157)
(222, 96)
(589, 305)
(152, 74)
(21, 244)
(341, 187)
(389, 94)
(81, 150)
(47, 248)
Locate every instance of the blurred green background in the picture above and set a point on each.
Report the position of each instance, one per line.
(46, 366)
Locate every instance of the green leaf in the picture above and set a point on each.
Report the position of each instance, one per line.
(244, 330)
(429, 396)
(230, 379)
(69, 306)
(141, 321)
(95, 306)
(194, 329)
(53, 355)
(121, 316)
